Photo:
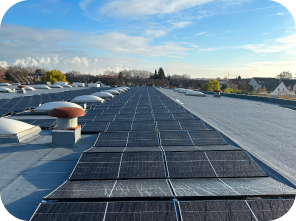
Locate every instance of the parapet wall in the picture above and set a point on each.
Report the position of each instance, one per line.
(271, 100)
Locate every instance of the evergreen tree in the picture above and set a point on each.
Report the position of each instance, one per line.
(156, 76)
(161, 74)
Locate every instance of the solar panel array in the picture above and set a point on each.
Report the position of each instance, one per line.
(19, 104)
(154, 160)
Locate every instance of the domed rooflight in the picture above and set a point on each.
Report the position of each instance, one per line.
(41, 87)
(103, 95)
(178, 89)
(16, 131)
(119, 89)
(28, 88)
(114, 92)
(45, 108)
(195, 93)
(87, 99)
(56, 86)
(6, 90)
(67, 131)
(5, 84)
(183, 91)
(124, 88)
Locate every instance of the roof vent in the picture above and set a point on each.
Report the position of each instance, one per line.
(45, 108)
(67, 132)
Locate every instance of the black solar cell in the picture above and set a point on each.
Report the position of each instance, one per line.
(142, 211)
(210, 137)
(69, 211)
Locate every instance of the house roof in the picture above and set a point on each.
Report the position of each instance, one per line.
(271, 85)
(239, 81)
(289, 83)
(263, 80)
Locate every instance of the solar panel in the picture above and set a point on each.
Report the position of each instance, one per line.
(142, 211)
(184, 116)
(180, 148)
(139, 138)
(105, 149)
(168, 125)
(196, 125)
(188, 164)
(142, 165)
(216, 210)
(97, 166)
(82, 190)
(270, 209)
(143, 126)
(233, 164)
(175, 138)
(201, 187)
(94, 127)
(219, 147)
(142, 188)
(115, 139)
(114, 126)
(166, 117)
(69, 211)
(210, 137)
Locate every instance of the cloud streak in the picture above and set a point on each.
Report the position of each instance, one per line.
(284, 44)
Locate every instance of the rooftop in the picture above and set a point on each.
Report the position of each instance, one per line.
(151, 139)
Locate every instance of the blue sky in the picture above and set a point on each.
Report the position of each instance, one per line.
(203, 38)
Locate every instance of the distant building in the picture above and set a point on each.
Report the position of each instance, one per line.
(256, 83)
(275, 88)
(290, 84)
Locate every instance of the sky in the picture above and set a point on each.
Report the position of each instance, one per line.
(202, 38)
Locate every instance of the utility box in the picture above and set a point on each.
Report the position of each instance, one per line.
(66, 137)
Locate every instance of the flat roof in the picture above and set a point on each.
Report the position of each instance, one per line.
(32, 170)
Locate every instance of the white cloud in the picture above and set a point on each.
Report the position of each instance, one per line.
(55, 59)
(280, 13)
(201, 33)
(209, 49)
(284, 44)
(156, 33)
(151, 7)
(181, 24)
(3, 64)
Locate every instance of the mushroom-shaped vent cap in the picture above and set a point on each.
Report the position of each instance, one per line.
(66, 112)
(217, 91)
(21, 86)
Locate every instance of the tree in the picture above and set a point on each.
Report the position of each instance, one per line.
(285, 75)
(239, 77)
(120, 77)
(211, 86)
(223, 87)
(161, 74)
(54, 76)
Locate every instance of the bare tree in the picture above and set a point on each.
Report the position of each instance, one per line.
(285, 75)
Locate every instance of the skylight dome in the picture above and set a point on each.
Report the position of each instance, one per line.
(195, 93)
(16, 131)
(103, 95)
(114, 92)
(88, 99)
(7, 90)
(42, 87)
(51, 105)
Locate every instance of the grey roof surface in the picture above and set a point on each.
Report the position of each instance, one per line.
(266, 131)
(32, 170)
